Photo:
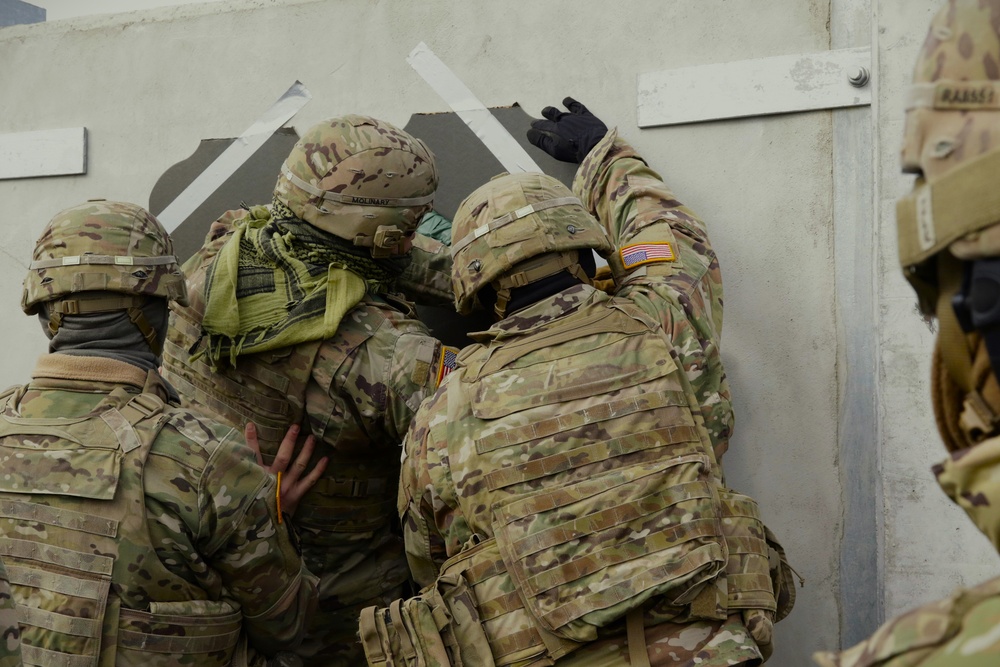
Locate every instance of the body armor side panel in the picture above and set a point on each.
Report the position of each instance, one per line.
(78, 550)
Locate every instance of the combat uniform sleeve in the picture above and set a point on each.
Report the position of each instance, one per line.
(427, 279)
(252, 549)
(664, 263)
(418, 365)
(420, 507)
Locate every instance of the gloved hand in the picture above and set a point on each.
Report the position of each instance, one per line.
(567, 136)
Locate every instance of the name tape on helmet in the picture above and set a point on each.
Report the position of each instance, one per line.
(955, 96)
(121, 260)
(522, 212)
(391, 202)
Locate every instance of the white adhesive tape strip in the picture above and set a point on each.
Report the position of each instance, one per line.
(464, 103)
(233, 157)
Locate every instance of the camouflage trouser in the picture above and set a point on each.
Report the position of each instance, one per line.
(332, 640)
(356, 570)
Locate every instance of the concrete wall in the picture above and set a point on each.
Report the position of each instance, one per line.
(149, 86)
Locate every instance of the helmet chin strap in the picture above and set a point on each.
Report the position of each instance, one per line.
(533, 270)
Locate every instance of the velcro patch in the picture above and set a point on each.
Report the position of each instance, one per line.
(422, 365)
(647, 253)
(449, 362)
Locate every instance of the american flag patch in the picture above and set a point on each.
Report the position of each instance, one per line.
(449, 362)
(644, 253)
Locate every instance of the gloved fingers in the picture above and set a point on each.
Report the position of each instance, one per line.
(553, 114)
(541, 137)
(576, 107)
(553, 144)
(543, 125)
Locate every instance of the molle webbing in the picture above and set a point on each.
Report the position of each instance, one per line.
(269, 389)
(252, 390)
(70, 566)
(501, 608)
(515, 636)
(617, 537)
(603, 320)
(614, 409)
(748, 577)
(216, 395)
(64, 518)
(601, 451)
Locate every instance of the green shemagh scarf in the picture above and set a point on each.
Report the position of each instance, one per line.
(278, 283)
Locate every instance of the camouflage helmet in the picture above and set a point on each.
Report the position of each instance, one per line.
(101, 247)
(360, 179)
(951, 137)
(515, 230)
(949, 237)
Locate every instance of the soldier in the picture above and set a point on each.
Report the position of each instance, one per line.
(561, 495)
(134, 532)
(949, 247)
(294, 319)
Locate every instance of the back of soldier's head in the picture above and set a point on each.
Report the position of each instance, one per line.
(360, 179)
(103, 257)
(516, 230)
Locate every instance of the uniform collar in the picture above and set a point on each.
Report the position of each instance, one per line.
(541, 313)
(67, 370)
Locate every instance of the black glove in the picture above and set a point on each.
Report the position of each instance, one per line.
(567, 136)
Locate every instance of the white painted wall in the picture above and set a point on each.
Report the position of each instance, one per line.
(150, 85)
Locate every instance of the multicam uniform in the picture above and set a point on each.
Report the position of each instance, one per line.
(565, 478)
(136, 533)
(351, 364)
(10, 631)
(357, 393)
(962, 630)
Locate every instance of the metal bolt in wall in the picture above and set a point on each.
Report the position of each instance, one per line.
(860, 78)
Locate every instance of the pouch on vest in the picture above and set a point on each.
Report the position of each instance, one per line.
(77, 533)
(584, 555)
(748, 573)
(514, 636)
(206, 632)
(440, 627)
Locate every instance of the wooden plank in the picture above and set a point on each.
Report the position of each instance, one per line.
(783, 84)
(43, 153)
